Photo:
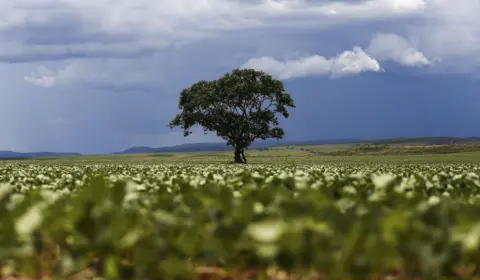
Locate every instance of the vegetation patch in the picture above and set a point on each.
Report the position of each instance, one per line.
(188, 221)
(161, 155)
(384, 149)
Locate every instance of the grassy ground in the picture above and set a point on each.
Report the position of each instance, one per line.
(288, 155)
(277, 155)
(327, 148)
(409, 149)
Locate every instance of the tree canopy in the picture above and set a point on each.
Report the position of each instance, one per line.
(240, 107)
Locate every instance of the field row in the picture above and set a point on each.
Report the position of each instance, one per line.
(168, 221)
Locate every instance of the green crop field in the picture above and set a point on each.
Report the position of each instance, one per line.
(293, 155)
(287, 214)
(325, 148)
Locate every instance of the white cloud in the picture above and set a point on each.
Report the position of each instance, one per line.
(383, 47)
(348, 63)
(148, 26)
(132, 28)
(451, 31)
(17, 52)
(56, 30)
(375, 8)
(46, 30)
(115, 74)
(47, 78)
(167, 16)
(452, 28)
(396, 48)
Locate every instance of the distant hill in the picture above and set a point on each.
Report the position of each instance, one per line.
(195, 147)
(220, 146)
(441, 140)
(16, 155)
(323, 142)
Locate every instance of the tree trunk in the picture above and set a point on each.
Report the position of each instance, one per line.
(239, 155)
(243, 156)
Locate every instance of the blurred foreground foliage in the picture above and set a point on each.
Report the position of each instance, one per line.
(175, 221)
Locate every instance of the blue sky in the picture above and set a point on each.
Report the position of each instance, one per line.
(98, 76)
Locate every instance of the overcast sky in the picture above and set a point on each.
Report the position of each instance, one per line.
(97, 76)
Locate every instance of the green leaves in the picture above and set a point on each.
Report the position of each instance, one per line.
(163, 221)
(240, 107)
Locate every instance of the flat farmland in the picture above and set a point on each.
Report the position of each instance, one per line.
(145, 219)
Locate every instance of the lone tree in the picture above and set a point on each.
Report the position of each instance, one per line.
(240, 107)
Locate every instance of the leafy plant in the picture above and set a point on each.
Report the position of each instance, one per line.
(188, 221)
